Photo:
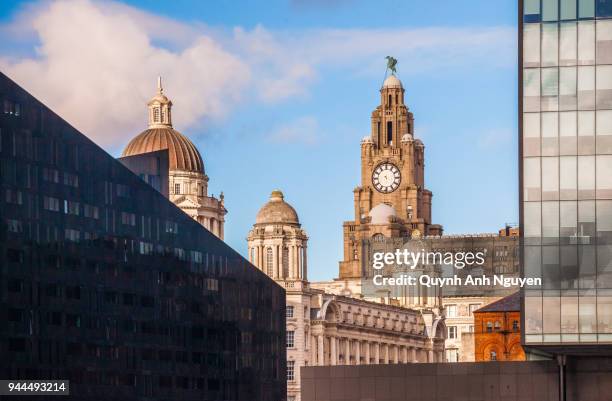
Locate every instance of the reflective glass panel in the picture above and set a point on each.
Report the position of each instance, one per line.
(568, 124)
(586, 42)
(604, 131)
(567, 44)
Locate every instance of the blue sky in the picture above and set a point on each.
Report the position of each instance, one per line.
(278, 94)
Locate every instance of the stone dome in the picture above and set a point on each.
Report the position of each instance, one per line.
(381, 213)
(182, 153)
(276, 210)
(392, 82)
(406, 138)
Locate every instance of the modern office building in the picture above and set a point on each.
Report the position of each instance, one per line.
(106, 283)
(565, 109)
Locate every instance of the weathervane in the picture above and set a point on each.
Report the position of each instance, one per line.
(391, 63)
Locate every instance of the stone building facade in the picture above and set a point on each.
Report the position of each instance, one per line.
(324, 328)
(391, 200)
(497, 331)
(188, 182)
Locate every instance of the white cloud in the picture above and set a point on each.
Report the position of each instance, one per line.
(495, 138)
(303, 130)
(95, 63)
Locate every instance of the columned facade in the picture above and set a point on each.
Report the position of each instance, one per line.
(325, 329)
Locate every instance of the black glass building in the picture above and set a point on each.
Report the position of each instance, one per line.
(106, 283)
(565, 109)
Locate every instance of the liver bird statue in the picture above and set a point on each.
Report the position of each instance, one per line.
(391, 63)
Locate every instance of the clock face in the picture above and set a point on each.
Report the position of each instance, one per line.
(386, 178)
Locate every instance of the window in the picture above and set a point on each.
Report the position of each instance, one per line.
(389, 132)
(497, 326)
(289, 310)
(489, 327)
(290, 338)
(14, 226)
(171, 227)
(91, 211)
(452, 331)
(72, 235)
(452, 355)
(290, 371)
(493, 356)
(51, 175)
(71, 207)
(515, 326)
(129, 219)
(269, 262)
(72, 180)
(473, 307)
(123, 191)
(51, 204)
(14, 197)
(451, 310)
(156, 114)
(177, 189)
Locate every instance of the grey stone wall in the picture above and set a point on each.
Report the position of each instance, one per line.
(588, 379)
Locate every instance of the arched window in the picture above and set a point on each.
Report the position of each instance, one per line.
(269, 263)
(493, 356)
(497, 325)
(156, 115)
(390, 100)
(378, 237)
(390, 132)
(515, 326)
(396, 99)
(489, 327)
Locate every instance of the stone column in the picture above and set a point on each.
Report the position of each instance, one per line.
(305, 264)
(296, 261)
(404, 355)
(348, 351)
(396, 354)
(320, 355)
(376, 353)
(357, 352)
(430, 356)
(290, 261)
(332, 350)
(386, 353)
(275, 263)
(413, 355)
(367, 352)
(313, 350)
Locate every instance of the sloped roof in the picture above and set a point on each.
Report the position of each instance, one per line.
(511, 303)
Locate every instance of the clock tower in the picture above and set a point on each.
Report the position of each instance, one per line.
(391, 201)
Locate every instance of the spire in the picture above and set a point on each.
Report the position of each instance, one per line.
(160, 108)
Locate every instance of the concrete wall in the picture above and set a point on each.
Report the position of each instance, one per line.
(588, 379)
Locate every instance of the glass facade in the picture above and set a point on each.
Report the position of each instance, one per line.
(566, 170)
(106, 283)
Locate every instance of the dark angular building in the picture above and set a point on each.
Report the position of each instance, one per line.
(106, 283)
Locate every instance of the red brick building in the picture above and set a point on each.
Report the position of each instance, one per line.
(498, 332)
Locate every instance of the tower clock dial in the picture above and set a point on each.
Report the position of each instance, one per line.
(386, 178)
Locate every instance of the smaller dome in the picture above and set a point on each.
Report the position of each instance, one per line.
(406, 138)
(382, 213)
(392, 82)
(276, 210)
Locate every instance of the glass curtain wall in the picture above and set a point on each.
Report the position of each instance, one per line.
(566, 158)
